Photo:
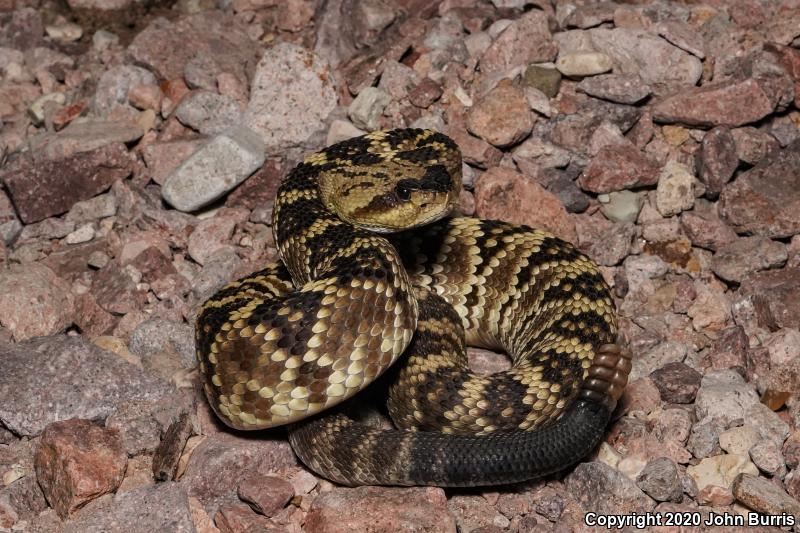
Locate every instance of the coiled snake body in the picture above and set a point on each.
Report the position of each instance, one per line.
(351, 297)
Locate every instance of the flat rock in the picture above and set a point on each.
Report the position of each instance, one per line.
(83, 136)
(291, 96)
(617, 167)
(163, 158)
(657, 357)
(606, 242)
(214, 169)
(602, 489)
(732, 103)
(380, 509)
(56, 378)
(619, 88)
(544, 79)
(161, 507)
(738, 440)
(576, 131)
(42, 189)
(266, 494)
(706, 230)
(475, 513)
(115, 84)
(10, 226)
(239, 518)
(761, 495)
(716, 160)
(35, 301)
(677, 382)
(221, 461)
(159, 337)
(683, 36)
(660, 479)
(776, 297)
(502, 117)
(729, 350)
(746, 255)
(501, 193)
(753, 144)
(526, 40)
(166, 47)
(724, 396)
(77, 462)
(720, 470)
(765, 199)
(635, 52)
(208, 112)
(21, 28)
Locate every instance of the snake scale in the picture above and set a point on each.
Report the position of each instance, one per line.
(373, 271)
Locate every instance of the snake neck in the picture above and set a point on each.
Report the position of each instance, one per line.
(314, 243)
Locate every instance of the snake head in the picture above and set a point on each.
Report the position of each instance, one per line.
(400, 186)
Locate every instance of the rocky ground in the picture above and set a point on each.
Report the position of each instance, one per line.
(141, 144)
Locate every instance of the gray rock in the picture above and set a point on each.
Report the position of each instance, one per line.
(49, 379)
(767, 422)
(101, 206)
(83, 137)
(161, 507)
(291, 95)
(214, 169)
(635, 52)
(704, 438)
(10, 226)
(208, 112)
(367, 108)
(397, 80)
(746, 255)
(159, 338)
(661, 480)
(766, 455)
(716, 160)
(616, 88)
(215, 273)
(657, 357)
(112, 89)
(621, 206)
(724, 396)
(602, 489)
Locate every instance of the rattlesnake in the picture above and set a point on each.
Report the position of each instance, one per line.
(370, 262)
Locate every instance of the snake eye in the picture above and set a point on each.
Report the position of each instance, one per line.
(403, 189)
